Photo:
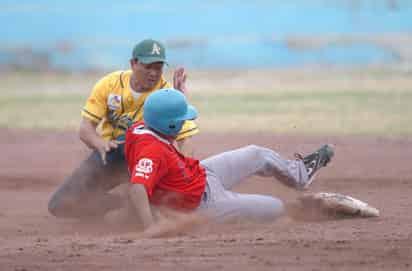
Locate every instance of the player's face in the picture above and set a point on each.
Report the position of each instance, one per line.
(147, 75)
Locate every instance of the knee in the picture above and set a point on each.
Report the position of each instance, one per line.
(58, 206)
(268, 209)
(276, 208)
(54, 205)
(255, 150)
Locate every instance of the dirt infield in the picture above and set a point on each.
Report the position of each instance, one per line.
(376, 170)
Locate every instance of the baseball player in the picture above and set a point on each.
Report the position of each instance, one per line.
(115, 102)
(161, 176)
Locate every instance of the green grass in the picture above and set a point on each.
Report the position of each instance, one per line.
(314, 112)
(299, 112)
(51, 111)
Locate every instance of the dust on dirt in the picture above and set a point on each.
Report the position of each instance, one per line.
(376, 170)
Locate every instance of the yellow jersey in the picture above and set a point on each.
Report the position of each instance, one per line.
(113, 106)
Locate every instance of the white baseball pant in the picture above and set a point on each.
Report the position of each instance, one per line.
(230, 168)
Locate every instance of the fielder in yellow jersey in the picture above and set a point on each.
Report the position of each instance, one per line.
(115, 103)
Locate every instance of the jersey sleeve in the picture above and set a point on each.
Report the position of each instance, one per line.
(148, 170)
(96, 105)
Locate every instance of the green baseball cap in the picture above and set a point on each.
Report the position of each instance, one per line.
(149, 51)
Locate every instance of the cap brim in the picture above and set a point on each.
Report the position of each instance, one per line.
(151, 59)
(191, 113)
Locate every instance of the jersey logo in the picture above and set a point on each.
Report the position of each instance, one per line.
(155, 49)
(144, 167)
(114, 101)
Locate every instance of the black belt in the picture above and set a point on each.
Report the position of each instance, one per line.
(205, 196)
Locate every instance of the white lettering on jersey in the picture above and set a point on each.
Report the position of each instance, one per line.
(155, 49)
(144, 167)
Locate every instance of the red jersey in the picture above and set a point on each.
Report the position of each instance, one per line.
(169, 177)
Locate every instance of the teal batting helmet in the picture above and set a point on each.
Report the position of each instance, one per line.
(165, 111)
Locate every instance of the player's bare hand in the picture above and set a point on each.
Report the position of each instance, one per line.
(171, 223)
(107, 146)
(158, 230)
(179, 79)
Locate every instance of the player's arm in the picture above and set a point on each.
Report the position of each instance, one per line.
(92, 114)
(150, 167)
(88, 134)
(140, 203)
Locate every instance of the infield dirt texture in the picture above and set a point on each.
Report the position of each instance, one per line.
(376, 169)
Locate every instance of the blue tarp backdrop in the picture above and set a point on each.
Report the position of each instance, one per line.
(100, 34)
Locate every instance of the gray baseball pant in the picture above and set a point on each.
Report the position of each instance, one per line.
(85, 193)
(230, 168)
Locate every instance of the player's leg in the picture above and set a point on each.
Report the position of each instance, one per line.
(222, 205)
(249, 207)
(234, 166)
(84, 192)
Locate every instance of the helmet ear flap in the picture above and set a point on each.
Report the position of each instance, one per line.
(175, 125)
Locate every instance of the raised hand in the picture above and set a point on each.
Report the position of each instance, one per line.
(179, 79)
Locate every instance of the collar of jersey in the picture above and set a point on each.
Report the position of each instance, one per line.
(148, 132)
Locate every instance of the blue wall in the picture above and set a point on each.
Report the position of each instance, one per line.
(225, 33)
